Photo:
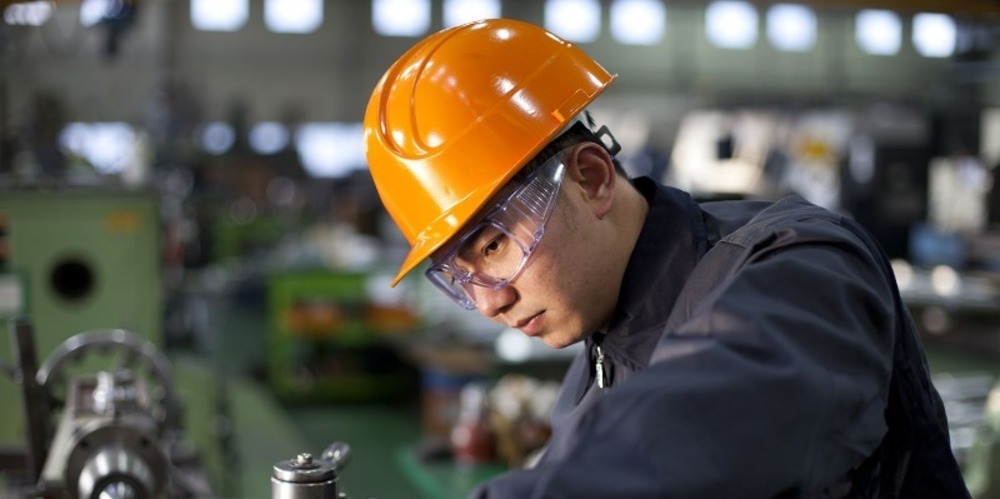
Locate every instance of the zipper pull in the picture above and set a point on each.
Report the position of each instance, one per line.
(599, 368)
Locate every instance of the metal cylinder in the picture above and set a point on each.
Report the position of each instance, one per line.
(304, 478)
(115, 458)
(115, 472)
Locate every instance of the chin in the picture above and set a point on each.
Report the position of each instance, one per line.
(559, 342)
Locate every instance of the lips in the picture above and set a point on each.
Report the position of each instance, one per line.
(532, 325)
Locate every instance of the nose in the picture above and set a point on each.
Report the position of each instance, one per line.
(493, 302)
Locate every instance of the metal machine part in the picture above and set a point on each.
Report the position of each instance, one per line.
(107, 443)
(118, 433)
(116, 473)
(135, 353)
(306, 477)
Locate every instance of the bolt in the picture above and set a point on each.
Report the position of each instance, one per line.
(304, 459)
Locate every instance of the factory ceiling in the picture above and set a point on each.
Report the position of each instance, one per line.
(984, 9)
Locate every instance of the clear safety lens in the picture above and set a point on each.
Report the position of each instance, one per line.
(495, 250)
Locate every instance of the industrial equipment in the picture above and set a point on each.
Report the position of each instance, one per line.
(119, 432)
(308, 478)
(77, 260)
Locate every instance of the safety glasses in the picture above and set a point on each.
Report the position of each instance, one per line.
(497, 248)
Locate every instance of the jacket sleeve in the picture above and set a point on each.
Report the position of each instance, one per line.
(775, 385)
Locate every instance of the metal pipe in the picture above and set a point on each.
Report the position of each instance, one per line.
(35, 397)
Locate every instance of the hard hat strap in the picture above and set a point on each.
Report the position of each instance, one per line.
(608, 140)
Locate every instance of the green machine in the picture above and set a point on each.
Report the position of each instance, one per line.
(73, 261)
(329, 341)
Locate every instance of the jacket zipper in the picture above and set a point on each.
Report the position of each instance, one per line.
(599, 373)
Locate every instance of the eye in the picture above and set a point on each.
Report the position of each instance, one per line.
(495, 244)
(483, 242)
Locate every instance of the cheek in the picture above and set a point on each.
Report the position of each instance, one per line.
(567, 294)
(567, 279)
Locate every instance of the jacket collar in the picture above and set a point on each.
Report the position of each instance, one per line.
(671, 242)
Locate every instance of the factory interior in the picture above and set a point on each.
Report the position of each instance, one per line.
(187, 216)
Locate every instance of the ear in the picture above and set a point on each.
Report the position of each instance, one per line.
(592, 168)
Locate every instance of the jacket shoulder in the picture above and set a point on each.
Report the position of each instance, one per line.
(748, 223)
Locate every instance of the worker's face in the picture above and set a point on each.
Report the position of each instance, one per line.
(493, 250)
(562, 294)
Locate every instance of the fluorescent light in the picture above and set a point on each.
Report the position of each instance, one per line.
(878, 32)
(401, 17)
(791, 27)
(462, 11)
(638, 22)
(731, 24)
(28, 13)
(331, 149)
(293, 16)
(934, 35)
(268, 137)
(217, 137)
(219, 15)
(573, 20)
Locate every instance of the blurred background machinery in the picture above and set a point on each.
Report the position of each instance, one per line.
(77, 261)
(111, 432)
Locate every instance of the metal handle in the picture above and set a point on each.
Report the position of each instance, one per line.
(338, 454)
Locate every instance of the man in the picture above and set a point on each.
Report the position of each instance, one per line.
(734, 349)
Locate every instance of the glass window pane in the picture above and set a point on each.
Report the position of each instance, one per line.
(574, 20)
(731, 24)
(638, 22)
(293, 16)
(878, 32)
(934, 35)
(219, 15)
(791, 27)
(401, 17)
(462, 11)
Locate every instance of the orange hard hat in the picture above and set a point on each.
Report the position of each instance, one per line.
(460, 113)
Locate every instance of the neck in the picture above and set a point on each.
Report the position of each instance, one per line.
(634, 211)
(627, 219)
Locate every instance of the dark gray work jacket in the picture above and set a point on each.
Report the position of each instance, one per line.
(758, 350)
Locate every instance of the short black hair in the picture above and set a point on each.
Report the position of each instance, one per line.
(576, 134)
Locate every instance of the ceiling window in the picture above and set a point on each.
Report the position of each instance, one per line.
(219, 15)
(293, 16)
(638, 22)
(574, 20)
(401, 17)
(731, 24)
(934, 35)
(791, 27)
(878, 32)
(462, 11)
